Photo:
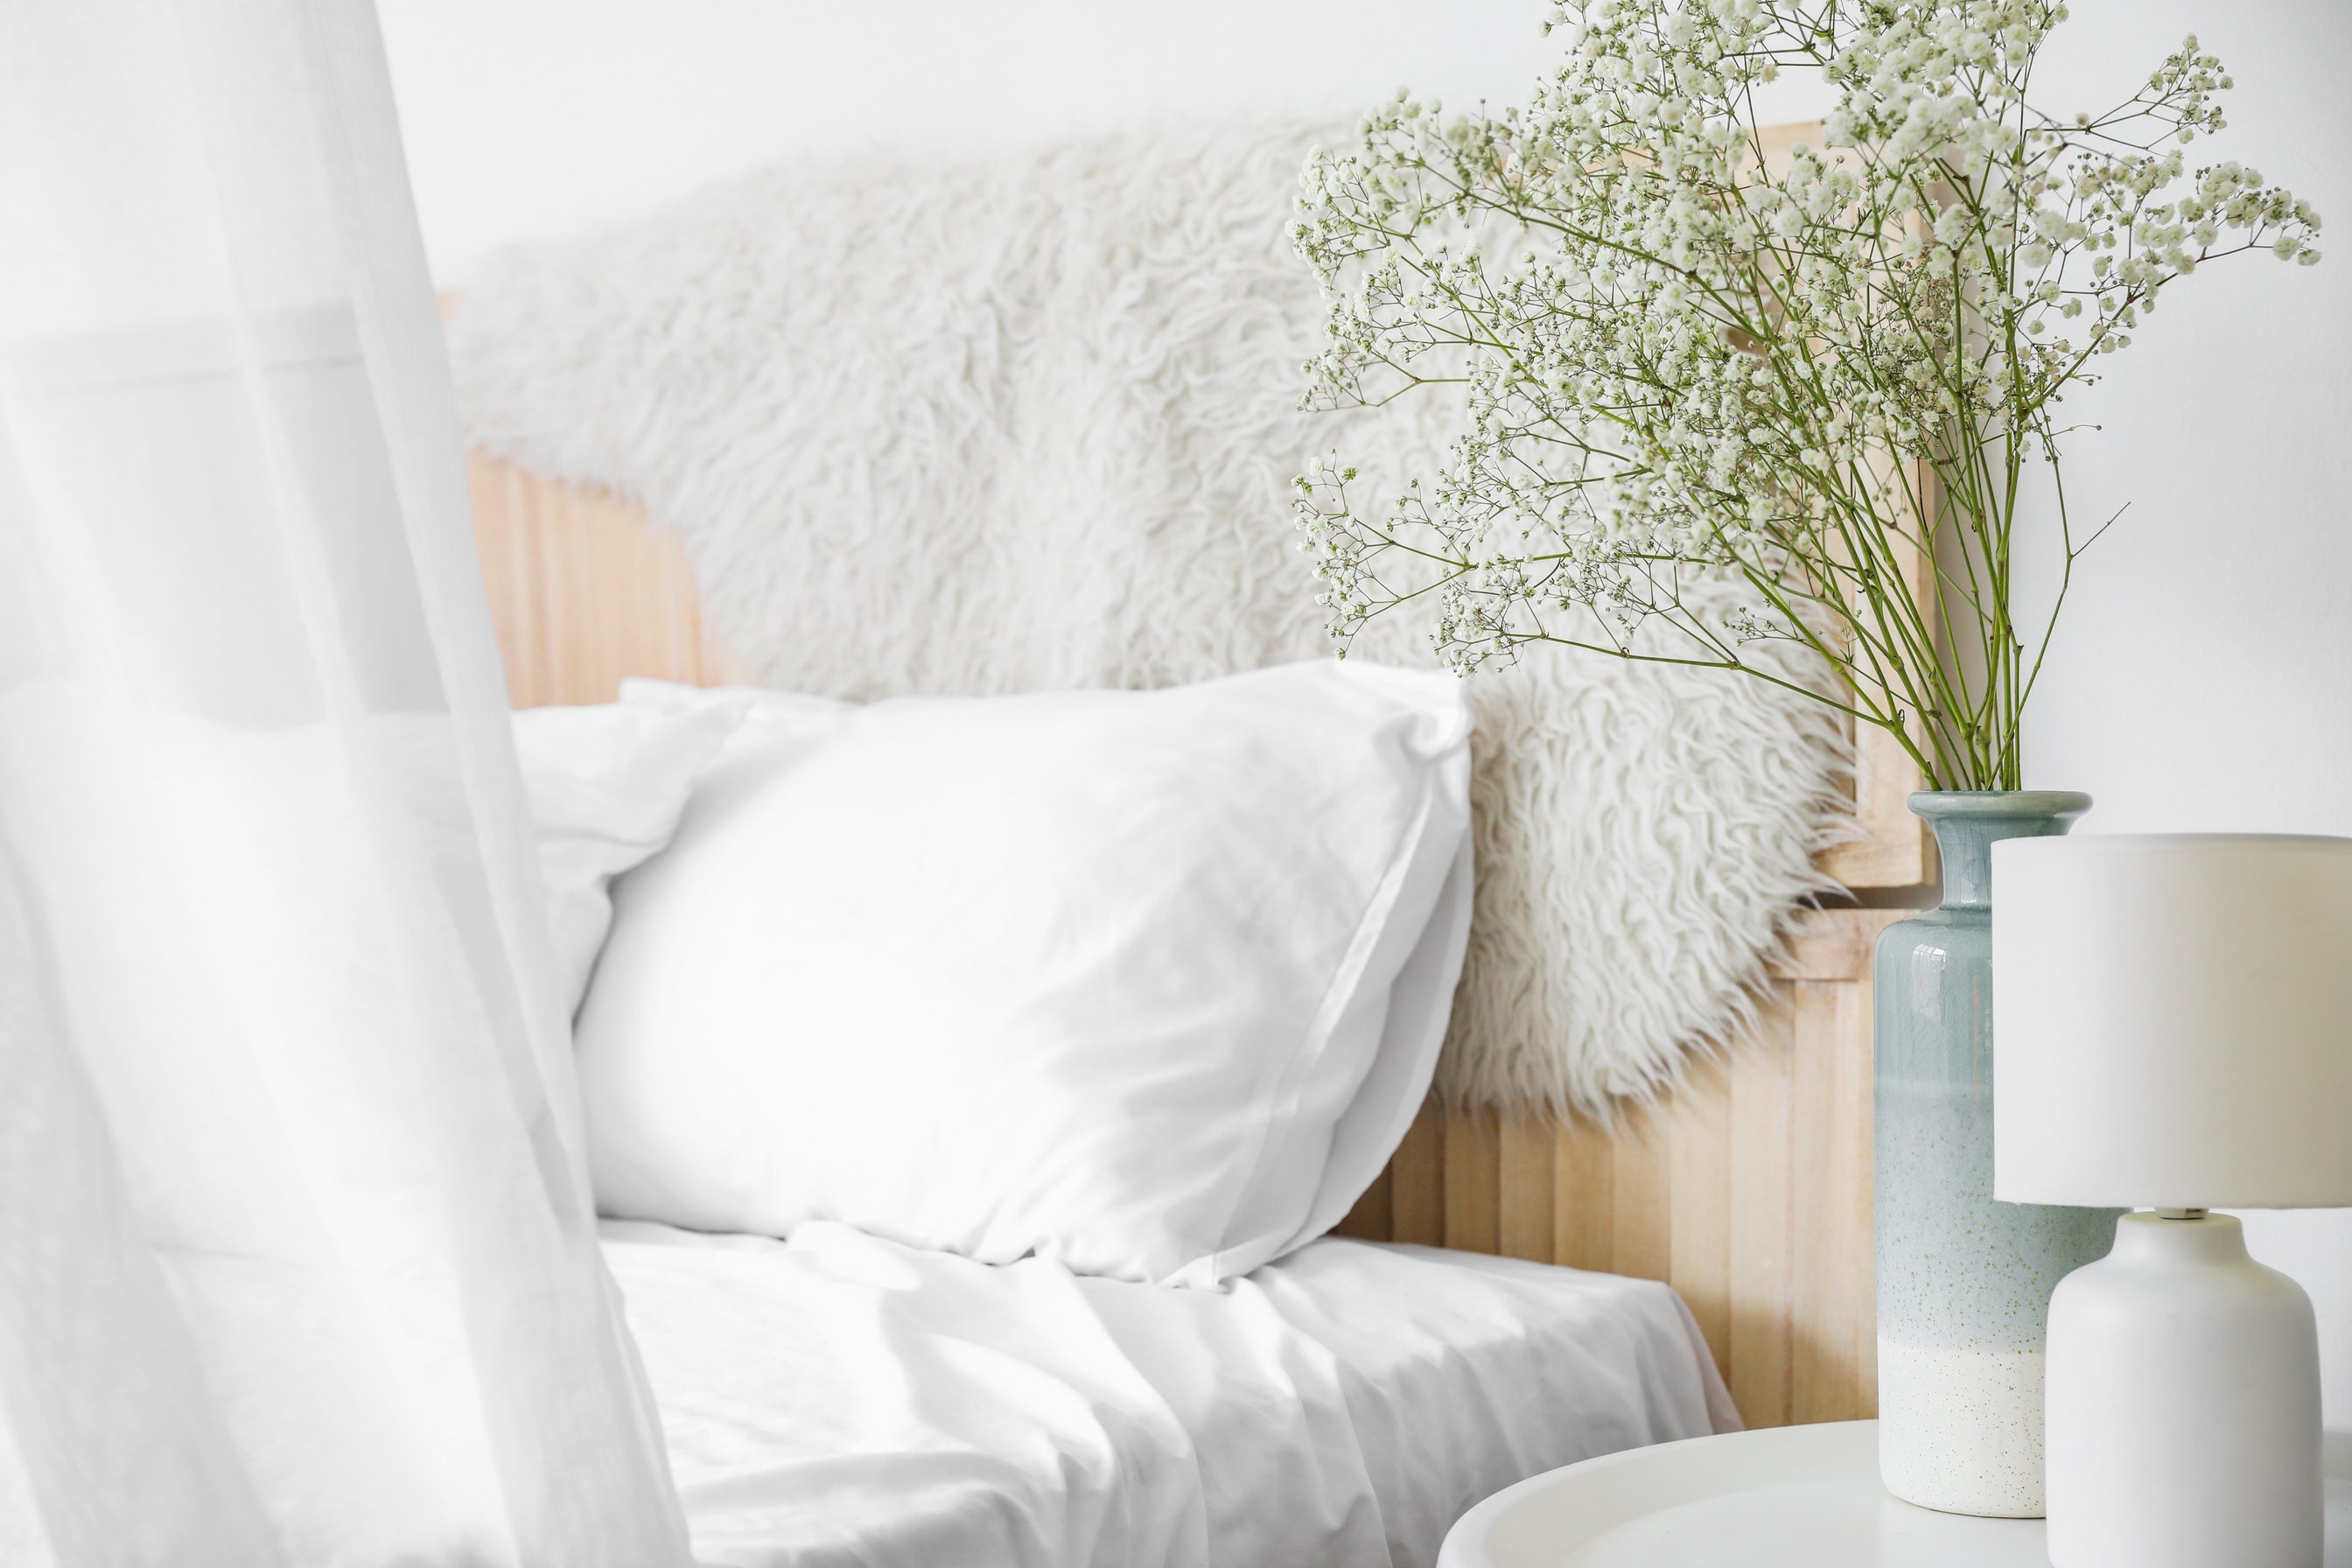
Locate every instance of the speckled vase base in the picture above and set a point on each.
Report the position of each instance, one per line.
(1961, 1430)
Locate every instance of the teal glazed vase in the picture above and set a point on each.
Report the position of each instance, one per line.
(1964, 1280)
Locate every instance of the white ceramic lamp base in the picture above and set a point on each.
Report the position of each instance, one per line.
(2183, 1406)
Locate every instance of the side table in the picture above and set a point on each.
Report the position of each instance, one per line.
(1787, 1497)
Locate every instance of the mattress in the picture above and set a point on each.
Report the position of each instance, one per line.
(835, 1400)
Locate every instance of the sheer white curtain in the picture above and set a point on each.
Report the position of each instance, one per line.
(296, 1263)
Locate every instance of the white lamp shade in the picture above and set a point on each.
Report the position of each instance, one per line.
(2172, 1021)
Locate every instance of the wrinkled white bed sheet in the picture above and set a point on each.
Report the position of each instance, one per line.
(836, 1400)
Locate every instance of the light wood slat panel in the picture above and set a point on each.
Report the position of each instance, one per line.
(1896, 849)
(1641, 1238)
(512, 577)
(1835, 944)
(1584, 1196)
(1417, 1176)
(1749, 1188)
(1374, 1218)
(1833, 1357)
(1699, 1122)
(582, 592)
(1763, 1150)
(1473, 1158)
(1526, 1194)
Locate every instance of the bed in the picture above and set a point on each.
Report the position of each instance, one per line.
(839, 1399)
(1747, 1189)
(1512, 1293)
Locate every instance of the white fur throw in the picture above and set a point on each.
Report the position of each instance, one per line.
(1029, 422)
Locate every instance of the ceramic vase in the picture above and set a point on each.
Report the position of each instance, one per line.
(1964, 1282)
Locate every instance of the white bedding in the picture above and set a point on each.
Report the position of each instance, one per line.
(839, 1400)
(1148, 982)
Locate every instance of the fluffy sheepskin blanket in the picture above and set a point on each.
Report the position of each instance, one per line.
(1029, 422)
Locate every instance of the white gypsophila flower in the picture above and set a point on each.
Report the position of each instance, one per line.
(1687, 349)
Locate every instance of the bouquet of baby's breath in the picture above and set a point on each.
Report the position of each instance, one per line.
(1821, 372)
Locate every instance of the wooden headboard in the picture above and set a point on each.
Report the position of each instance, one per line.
(1749, 1188)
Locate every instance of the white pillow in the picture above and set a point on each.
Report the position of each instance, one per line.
(605, 786)
(1148, 982)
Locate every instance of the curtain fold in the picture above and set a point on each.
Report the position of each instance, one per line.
(297, 1260)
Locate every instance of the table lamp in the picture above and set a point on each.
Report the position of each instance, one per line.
(2172, 1028)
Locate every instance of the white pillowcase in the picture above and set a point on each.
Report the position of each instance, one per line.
(605, 786)
(1149, 983)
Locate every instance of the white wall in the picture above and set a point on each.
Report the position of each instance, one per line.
(526, 119)
(2204, 678)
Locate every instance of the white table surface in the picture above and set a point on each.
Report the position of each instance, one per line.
(1792, 1497)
